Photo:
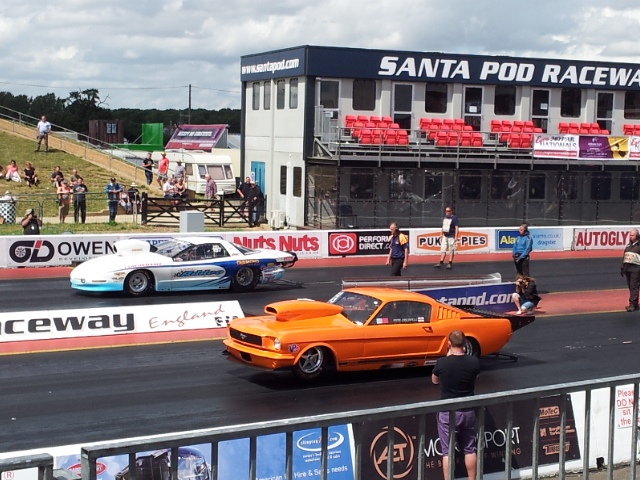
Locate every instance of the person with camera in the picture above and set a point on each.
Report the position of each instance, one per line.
(631, 269)
(31, 223)
(526, 297)
(521, 250)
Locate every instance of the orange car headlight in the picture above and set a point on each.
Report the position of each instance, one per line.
(273, 343)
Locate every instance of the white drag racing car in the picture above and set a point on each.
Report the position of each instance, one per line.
(194, 263)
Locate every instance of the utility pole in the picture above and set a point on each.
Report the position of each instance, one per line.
(189, 116)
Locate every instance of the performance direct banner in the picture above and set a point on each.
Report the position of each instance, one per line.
(360, 242)
(94, 322)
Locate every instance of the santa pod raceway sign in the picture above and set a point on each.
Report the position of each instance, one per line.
(95, 322)
(600, 238)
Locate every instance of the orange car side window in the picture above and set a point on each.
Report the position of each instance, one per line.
(402, 312)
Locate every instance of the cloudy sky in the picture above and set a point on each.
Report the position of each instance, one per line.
(145, 53)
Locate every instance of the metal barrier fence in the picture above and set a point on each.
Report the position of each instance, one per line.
(391, 415)
(46, 207)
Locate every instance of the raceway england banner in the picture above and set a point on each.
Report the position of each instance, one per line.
(94, 322)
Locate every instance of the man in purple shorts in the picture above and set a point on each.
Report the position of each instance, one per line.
(456, 374)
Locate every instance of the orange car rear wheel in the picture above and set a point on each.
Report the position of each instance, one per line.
(313, 363)
(473, 347)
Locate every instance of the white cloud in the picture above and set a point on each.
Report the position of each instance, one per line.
(144, 54)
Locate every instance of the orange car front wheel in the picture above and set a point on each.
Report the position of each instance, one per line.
(313, 363)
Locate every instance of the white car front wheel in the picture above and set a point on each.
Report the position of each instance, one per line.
(138, 283)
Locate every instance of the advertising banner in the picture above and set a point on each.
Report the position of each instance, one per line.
(196, 137)
(601, 238)
(306, 244)
(93, 322)
(375, 440)
(49, 250)
(361, 242)
(543, 239)
(469, 241)
(603, 148)
(194, 462)
(555, 146)
(495, 298)
(634, 148)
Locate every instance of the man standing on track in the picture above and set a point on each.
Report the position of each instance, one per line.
(522, 250)
(450, 230)
(398, 251)
(456, 374)
(631, 269)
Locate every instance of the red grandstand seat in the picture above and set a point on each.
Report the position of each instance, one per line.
(563, 127)
(350, 118)
(504, 137)
(528, 123)
(453, 138)
(357, 129)
(525, 141)
(382, 125)
(574, 130)
(537, 130)
(573, 125)
(506, 123)
(518, 123)
(395, 125)
(585, 125)
(441, 139)
(457, 127)
(584, 131)
(437, 121)
(595, 125)
(448, 121)
(446, 126)
(393, 140)
(387, 119)
(390, 133)
(370, 125)
(378, 136)
(366, 137)
(514, 140)
(516, 128)
(604, 131)
(374, 119)
(458, 121)
(636, 130)
(527, 129)
(594, 131)
(465, 139)
(627, 129)
(467, 128)
(495, 126)
(433, 131)
(476, 139)
(363, 118)
(403, 137)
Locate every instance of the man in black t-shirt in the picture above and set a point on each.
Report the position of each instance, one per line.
(456, 374)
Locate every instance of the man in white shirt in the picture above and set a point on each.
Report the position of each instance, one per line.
(42, 133)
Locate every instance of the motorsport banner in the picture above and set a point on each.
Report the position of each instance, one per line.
(494, 298)
(375, 440)
(360, 242)
(428, 241)
(543, 239)
(583, 147)
(196, 137)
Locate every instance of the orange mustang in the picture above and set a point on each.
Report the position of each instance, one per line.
(362, 329)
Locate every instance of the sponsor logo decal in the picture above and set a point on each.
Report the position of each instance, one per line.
(431, 242)
(506, 239)
(402, 456)
(29, 251)
(247, 262)
(343, 243)
(207, 272)
(43, 251)
(287, 243)
(312, 442)
(294, 348)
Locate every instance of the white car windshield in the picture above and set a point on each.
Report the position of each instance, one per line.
(356, 307)
(171, 248)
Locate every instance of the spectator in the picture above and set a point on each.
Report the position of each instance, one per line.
(56, 176)
(631, 269)
(398, 256)
(113, 190)
(134, 197)
(125, 202)
(74, 177)
(11, 172)
(147, 164)
(521, 250)
(456, 374)
(179, 189)
(79, 200)
(163, 170)
(243, 191)
(30, 175)
(180, 172)
(169, 191)
(256, 200)
(8, 197)
(210, 189)
(450, 230)
(31, 223)
(526, 297)
(64, 200)
(42, 133)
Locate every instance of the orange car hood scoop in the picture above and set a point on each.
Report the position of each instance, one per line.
(301, 310)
